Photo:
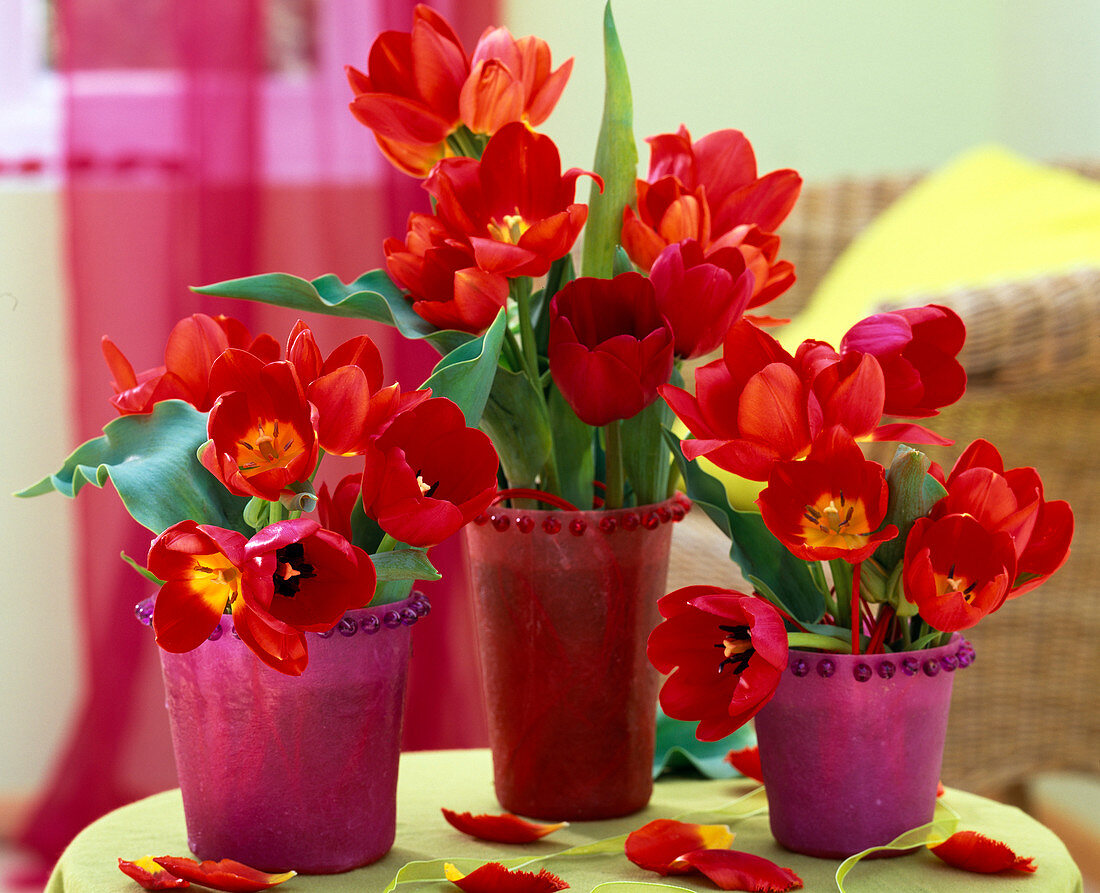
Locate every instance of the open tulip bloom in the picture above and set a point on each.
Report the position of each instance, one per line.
(574, 373)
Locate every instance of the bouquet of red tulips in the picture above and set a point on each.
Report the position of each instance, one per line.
(216, 453)
(669, 262)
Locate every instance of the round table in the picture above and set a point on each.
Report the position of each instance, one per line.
(462, 781)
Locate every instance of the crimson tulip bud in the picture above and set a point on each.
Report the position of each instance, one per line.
(610, 347)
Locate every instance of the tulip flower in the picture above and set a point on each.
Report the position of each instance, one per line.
(750, 409)
(193, 345)
(308, 576)
(492, 877)
(149, 875)
(658, 845)
(428, 474)
(262, 439)
(955, 571)
(514, 205)
(610, 347)
(204, 572)
(409, 96)
(916, 349)
(972, 851)
(445, 285)
(1010, 501)
(832, 505)
(505, 828)
(334, 506)
(510, 80)
(725, 651)
(700, 297)
(226, 874)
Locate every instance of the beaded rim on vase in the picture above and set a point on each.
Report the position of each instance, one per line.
(865, 667)
(554, 521)
(369, 620)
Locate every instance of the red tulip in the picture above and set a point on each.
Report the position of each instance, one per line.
(916, 349)
(610, 347)
(955, 571)
(733, 870)
(514, 205)
(428, 474)
(193, 345)
(233, 877)
(750, 409)
(1010, 501)
(505, 828)
(262, 439)
(149, 875)
(492, 877)
(306, 579)
(510, 80)
(722, 688)
(659, 845)
(972, 851)
(832, 505)
(724, 164)
(700, 297)
(204, 573)
(410, 94)
(439, 271)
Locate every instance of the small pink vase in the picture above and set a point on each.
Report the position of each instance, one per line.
(293, 773)
(851, 746)
(565, 602)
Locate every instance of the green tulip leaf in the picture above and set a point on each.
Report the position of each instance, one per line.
(404, 564)
(151, 460)
(752, 546)
(616, 160)
(573, 452)
(515, 419)
(677, 748)
(372, 296)
(466, 374)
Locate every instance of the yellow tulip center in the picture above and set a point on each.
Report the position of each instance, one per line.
(952, 585)
(736, 648)
(509, 229)
(269, 449)
(835, 522)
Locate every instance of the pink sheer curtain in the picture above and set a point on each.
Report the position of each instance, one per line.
(190, 159)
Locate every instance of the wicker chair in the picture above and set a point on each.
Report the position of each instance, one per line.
(1030, 702)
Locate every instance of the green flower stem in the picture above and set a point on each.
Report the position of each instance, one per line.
(388, 544)
(813, 640)
(613, 449)
(511, 348)
(520, 288)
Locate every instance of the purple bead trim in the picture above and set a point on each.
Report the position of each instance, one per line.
(417, 606)
(887, 665)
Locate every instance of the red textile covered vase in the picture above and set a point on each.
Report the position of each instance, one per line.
(565, 602)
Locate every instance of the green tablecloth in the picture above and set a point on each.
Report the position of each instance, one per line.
(462, 781)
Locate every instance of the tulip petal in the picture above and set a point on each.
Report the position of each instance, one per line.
(733, 870)
(228, 875)
(150, 875)
(505, 828)
(492, 877)
(659, 845)
(972, 851)
(747, 762)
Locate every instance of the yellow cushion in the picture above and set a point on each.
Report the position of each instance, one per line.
(988, 216)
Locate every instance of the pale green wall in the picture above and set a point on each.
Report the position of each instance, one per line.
(835, 88)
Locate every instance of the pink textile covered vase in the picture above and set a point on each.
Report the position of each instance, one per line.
(851, 746)
(565, 601)
(293, 772)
